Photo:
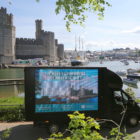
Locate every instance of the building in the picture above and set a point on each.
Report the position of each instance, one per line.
(44, 45)
(7, 37)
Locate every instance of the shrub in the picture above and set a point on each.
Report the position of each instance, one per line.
(12, 113)
(86, 128)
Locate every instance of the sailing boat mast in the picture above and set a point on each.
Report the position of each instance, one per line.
(83, 49)
(79, 43)
(75, 44)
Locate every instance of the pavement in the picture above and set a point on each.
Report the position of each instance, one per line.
(26, 131)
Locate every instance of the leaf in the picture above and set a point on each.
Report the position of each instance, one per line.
(75, 10)
(40, 139)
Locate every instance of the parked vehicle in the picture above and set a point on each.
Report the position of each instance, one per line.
(51, 93)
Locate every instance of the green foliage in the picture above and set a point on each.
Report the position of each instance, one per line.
(12, 113)
(80, 128)
(137, 100)
(39, 139)
(132, 94)
(76, 11)
(85, 128)
(12, 109)
(6, 134)
(117, 135)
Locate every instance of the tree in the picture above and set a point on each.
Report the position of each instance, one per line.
(76, 10)
(87, 128)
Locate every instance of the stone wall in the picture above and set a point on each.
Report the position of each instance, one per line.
(7, 37)
(49, 44)
(28, 41)
(5, 19)
(60, 51)
(29, 48)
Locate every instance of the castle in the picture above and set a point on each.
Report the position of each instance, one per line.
(43, 46)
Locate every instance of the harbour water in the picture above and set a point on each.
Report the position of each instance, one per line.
(11, 90)
(119, 66)
(18, 90)
(116, 65)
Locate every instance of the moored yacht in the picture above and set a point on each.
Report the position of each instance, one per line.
(130, 81)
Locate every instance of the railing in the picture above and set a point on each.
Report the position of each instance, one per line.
(8, 82)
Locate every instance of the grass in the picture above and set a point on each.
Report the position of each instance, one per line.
(12, 101)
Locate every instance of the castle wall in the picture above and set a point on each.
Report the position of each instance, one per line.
(29, 48)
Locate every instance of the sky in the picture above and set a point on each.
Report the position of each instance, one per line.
(120, 27)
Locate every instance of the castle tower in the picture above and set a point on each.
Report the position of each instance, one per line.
(49, 44)
(7, 37)
(60, 51)
(38, 29)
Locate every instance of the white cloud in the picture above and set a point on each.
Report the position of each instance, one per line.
(134, 30)
(107, 45)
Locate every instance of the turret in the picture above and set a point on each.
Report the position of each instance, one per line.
(56, 42)
(7, 37)
(60, 51)
(38, 28)
(5, 19)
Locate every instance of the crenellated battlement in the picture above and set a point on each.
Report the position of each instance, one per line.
(5, 18)
(47, 33)
(3, 10)
(28, 41)
(38, 21)
(60, 46)
(56, 42)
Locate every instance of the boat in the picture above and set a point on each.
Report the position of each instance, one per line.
(131, 71)
(80, 56)
(130, 80)
(122, 61)
(76, 62)
(136, 61)
(121, 73)
(126, 62)
(101, 62)
(134, 76)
